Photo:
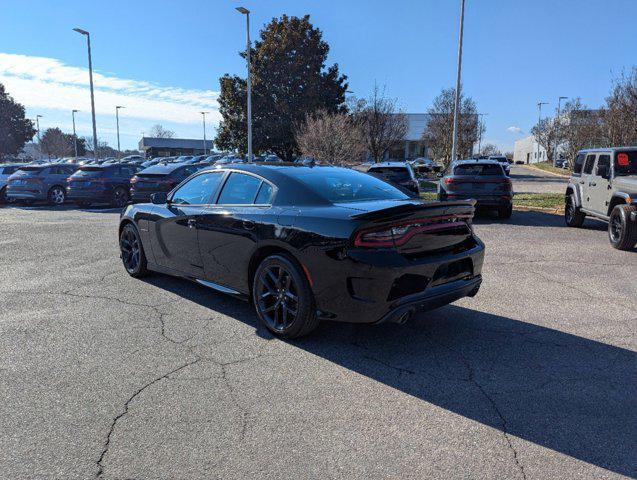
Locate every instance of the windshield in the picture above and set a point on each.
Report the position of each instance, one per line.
(478, 169)
(338, 186)
(626, 163)
(395, 174)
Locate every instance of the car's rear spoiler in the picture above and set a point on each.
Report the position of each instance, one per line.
(457, 207)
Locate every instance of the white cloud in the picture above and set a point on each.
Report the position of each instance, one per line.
(39, 82)
(514, 130)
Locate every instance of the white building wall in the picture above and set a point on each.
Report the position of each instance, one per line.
(526, 151)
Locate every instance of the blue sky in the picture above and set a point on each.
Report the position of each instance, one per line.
(162, 59)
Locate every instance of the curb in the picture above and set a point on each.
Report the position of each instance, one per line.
(553, 211)
(546, 171)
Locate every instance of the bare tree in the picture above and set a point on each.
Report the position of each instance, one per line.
(333, 138)
(546, 134)
(579, 128)
(439, 133)
(619, 116)
(157, 131)
(489, 149)
(381, 123)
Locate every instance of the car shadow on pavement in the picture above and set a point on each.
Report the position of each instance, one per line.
(532, 218)
(564, 392)
(61, 208)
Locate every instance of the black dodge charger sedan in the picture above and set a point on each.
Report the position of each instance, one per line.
(307, 243)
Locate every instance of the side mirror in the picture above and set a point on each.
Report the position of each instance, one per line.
(603, 171)
(159, 198)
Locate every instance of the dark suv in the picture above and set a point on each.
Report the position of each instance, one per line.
(159, 178)
(40, 182)
(107, 183)
(483, 180)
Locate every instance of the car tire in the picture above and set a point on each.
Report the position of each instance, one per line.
(505, 212)
(283, 298)
(3, 195)
(132, 252)
(120, 197)
(56, 195)
(573, 216)
(622, 232)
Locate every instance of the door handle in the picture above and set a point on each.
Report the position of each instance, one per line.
(192, 223)
(592, 184)
(582, 182)
(248, 224)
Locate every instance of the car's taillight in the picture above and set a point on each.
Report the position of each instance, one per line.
(400, 233)
(448, 181)
(507, 184)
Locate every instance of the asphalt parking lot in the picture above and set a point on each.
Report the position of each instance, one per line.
(531, 180)
(102, 375)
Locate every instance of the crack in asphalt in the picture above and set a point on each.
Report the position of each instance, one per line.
(100, 461)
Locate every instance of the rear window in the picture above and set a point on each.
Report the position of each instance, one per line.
(349, 186)
(626, 163)
(478, 169)
(395, 174)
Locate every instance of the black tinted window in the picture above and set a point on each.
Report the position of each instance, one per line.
(590, 161)
(579, 163)
(264, 197)
(240, 189)
(337, 185)
(603, 161)
(198, 190)
(395, 174)
(478, 169)
(626, 163)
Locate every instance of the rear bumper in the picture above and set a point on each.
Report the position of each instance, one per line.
(380, 286)
(88, 195)
(485, 200)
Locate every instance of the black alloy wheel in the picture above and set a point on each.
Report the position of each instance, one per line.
(120, 197)
(283, 298)
(622, 231)
(56, 196)
(572, 214)
(132, 252)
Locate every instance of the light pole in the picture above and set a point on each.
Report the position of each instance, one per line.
(90, 75)
(539, 119)
(117, 107)
(557, 128)
(454, 142)
(246, 12)
(204, 131)
(73, 112)
(37, 125)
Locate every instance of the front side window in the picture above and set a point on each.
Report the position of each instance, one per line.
(198, 190)
(240, 189)
(588, 166)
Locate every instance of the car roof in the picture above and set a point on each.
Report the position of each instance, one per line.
(481, 161)
(609, 149)
(390, 164)
(163, 168)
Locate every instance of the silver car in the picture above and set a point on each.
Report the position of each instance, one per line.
(6, 170)
(40, 182)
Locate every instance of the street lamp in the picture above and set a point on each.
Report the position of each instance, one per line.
(117, 107)
(73, 112)
(246, 12)
(539, 119)
(557, 129)
(90, 74)
(454, 142)
(204, 131)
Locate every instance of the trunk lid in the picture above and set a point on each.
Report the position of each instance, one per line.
(412, 227)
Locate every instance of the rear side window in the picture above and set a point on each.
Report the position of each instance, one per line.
(198, 190)
(588, 166)
(579, 163)
(478, 169)
(626, 163)
(89, 172)
(264, 197)
(240, 189)
(603, 161)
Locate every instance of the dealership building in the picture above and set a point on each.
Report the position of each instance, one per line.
(172, 147)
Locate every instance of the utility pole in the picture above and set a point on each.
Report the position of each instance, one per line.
(204, 131)
(117, 107)
(246, 12)
(557, 129)
(539, 119)
(454, 145)
(73, 112)
(90, 75)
